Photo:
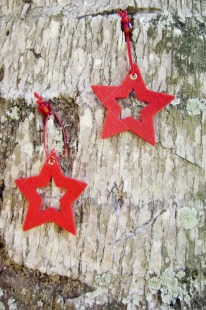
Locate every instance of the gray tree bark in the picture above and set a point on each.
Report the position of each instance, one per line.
(141, 237)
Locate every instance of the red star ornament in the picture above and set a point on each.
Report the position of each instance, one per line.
(114, 124)
(35, 216)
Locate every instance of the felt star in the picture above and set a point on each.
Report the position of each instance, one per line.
(35, 216)
(114, 124)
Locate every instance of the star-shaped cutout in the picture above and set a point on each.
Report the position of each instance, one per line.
(113, 124)
(35, 216)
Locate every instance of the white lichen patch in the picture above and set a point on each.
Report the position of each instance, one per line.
(103, 280)
(170, 21)
(170, 287)
(180, 274)
(176, 102)
(40, 304)
(167, 20)
(3, 119)
(154, 284)
(13, 113)
(131, 302)
(12, 304)
(195, 106)
(188, 217)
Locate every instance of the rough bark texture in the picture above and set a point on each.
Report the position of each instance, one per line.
(141, 233)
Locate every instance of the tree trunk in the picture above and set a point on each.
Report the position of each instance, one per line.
(141, 237)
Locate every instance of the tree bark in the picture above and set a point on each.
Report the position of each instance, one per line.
(141, 234)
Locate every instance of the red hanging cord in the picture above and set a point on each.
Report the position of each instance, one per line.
(46, 109)
(127, 29)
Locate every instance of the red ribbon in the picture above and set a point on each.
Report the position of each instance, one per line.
(46, 109)
(127, 29)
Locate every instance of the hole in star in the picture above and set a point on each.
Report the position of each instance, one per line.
(131, 106)
(51, 195)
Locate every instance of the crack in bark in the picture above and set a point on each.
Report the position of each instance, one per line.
(2, 187)
(183, 158)
(36, 55)
(64, 10)
(188, 161)
(139, 230)
(130, 10)
(1, 73)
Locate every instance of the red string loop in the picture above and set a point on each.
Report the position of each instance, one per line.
(127, 29)
(46, 109)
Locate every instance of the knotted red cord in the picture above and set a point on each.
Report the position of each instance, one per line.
(127, 29)
(46, 109)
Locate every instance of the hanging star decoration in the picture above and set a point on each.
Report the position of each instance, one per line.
(114, 124)
(51, 170)
(35, 216)
(133, 82)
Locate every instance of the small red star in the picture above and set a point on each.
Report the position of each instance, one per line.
(114, 124)
(35, 216)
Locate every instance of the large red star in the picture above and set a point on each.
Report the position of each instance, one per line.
(114, 124)
(35, 216)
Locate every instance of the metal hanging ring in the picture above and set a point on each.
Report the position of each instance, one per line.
(51, 160)
(133, 76)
